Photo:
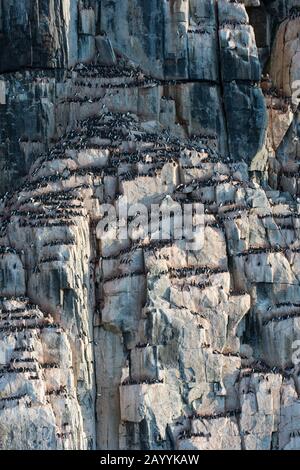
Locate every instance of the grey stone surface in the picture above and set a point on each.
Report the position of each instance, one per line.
(112, 344)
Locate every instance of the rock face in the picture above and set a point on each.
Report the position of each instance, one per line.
(146, 343)
(201, 52)
(285, 64)
(47, 33)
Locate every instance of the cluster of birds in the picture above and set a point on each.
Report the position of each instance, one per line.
(24, 359)
(59, 212)
(63, 223)
(50, 259)
(27, 403)
(287, 227)
(34, 197)
(49, 365)
(124, 127)
(24, 349)
(231, 216)
(233, 24)
(199, 285)
(32, 218)
(120, 70)
(142, 345)
(237, 293)
(58, 177)
(13, 398)
(139, 82)
(136, 80)
(22, 317)
(68, 206)
(227, 414)
(279, 202)
(206, 136)
(122, 252)
(35, 326)
(64, 242)
(57, 392)
(50, 216)
(291, 174)
(12, 298)
(196, 314)
(3, 227)
(199, 31)
(227, 353)
(55, 197)
(193, 271)
(259, 251)
(237, 207)
(192, 312)
(142, 382)
(158, 156)
(200, 166)
(199, 184)
(112, 72)
(123, 276)
(189, 435)
(4, 250)
(279, 216)
(188, 192)
(18, 213)
(128, 175)
(84, 99)
(126, 261)
(228, 202)
(285, 304)
(280, 318)
(43, 182)
(153, 245)
(43, 221)
(15, 370)
(261, 367)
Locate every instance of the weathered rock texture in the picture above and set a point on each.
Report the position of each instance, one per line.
(107, 344)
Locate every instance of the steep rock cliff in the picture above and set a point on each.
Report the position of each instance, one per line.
(107, 343)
